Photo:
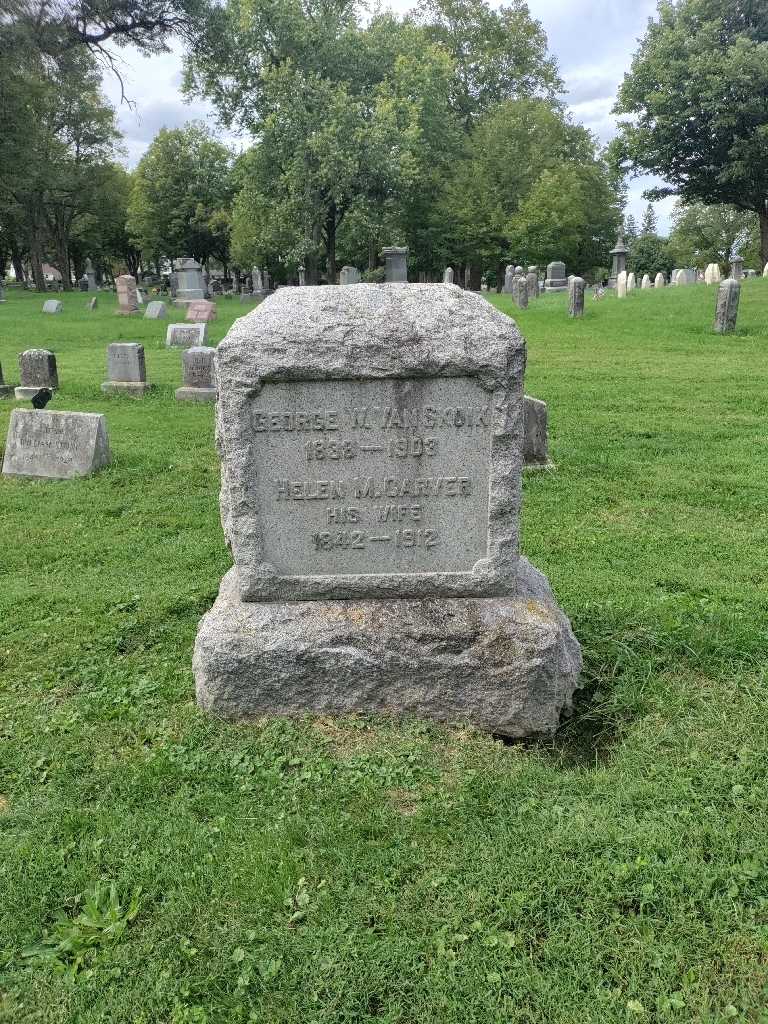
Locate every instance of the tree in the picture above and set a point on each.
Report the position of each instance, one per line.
(56, 130)
(712, 234)
(650, 255)
(181, 196)
(498, 54)
(532, 186)
(649, 225)
(696, 95)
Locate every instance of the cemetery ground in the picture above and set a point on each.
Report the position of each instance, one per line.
(157, 865)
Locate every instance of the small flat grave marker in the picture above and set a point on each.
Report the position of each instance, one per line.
(186, 335)
(155, 310)
(53, 306)
(201, 311)
(55, 445)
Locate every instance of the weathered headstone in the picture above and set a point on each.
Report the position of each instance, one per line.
(536, 435)
(82, 284)
(660, 281)
(737, 268)
(173, 284)
(576, 297)
(55, 445)
(395, 264)
(556, 280)
(765, 270)
(186, 335)
(127, 295)
(92, 304)
(126, 370)
(532, 278)
(189, 281)
(448, 275)
(520, 289)
(198, 382)
(621, 285)
(90, 274)
(6, 390)
(53, 306)
(727, 309)
(631, 282)
(349, 275)
(201, 311)
(37, 369)
(509, 279)
(619, 257)
(371, 442)
(646, 282)
(155, 310)
(302, 277)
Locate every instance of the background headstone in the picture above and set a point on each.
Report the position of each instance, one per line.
(53, 306)
(201, 311)
(576, 297)
(532, 278)
(509, 279)
(621, 285)
(737, 268)
(92, 304)
(189, 281)
(727, 310)
(646, 282)
(395, 264)
(556, 280)
(37, 369)
(660, 281)
(631, 282)
(536, 433)
(438, 616)
(90, 274)
(155, 310)
(198, 381)
(126, 371)
(448, 275)
(302, 277)
(186, 335)
(6, 390)
(520, 290)
(349, 275)
(55, 445)
(127, 295)
(765, 270)
(82, 284)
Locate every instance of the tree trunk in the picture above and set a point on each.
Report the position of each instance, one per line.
(372, 252)
(330, 243)
(500, 272)
(18, 266)
(763, 214)
(36, 259)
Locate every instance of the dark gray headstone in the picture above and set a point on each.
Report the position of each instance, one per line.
(126, 371)
(198, 382)
(37, 369)
(576, 297)
(727, 310)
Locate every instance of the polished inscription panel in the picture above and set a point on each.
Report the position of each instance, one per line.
(385, 476)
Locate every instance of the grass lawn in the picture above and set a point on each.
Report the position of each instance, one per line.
(159, 867)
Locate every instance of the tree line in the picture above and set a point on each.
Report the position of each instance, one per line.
(444, 130)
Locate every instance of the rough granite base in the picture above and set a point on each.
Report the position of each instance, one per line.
(23, 394)
(134, 389)
(508, 665)
(196, 394)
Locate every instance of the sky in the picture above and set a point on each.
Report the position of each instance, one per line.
(593, 42)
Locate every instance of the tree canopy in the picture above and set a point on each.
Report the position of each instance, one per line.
(695, 96)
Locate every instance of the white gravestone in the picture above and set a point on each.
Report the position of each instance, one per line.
(660, 281)
(621, 285)
(199, 375)
(53, 306)
(186, 335)
(55, 445)
(646, 282)
(126, 370)
(371, 442)
(631, 282)
(448, 275)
